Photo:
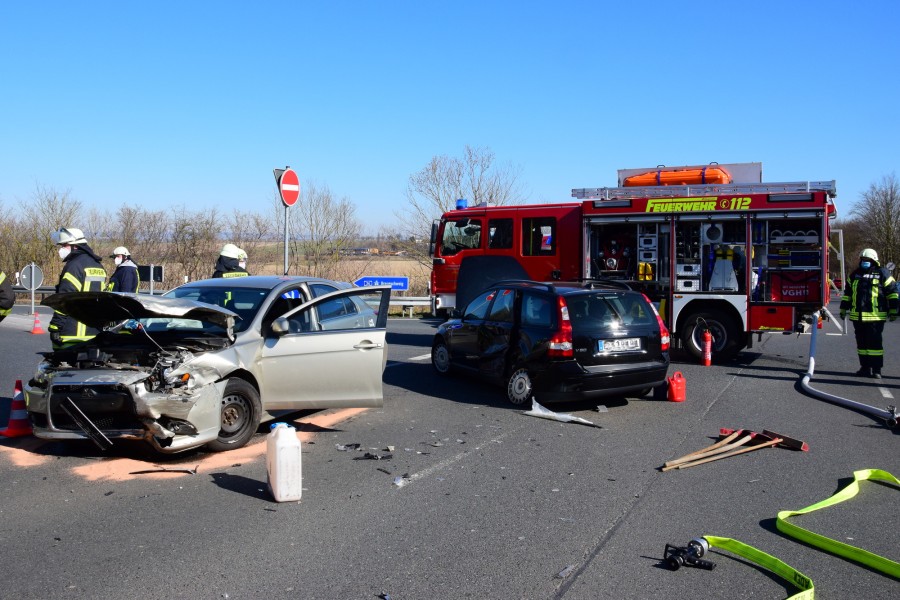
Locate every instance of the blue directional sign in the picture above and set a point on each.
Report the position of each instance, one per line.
(400, 284)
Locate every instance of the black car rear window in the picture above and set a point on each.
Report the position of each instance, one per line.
(607, 308)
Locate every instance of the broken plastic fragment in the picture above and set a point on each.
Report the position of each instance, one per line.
(539, 411)
(346, 447)
(601, 408)
(565, 572)
(401, 480)
(370, 456)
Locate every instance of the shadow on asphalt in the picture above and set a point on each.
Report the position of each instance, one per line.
(420, 378)
(242, 485)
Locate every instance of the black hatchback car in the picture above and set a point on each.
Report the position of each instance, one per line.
(558, 341)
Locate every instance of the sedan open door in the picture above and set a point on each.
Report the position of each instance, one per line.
(328, 352)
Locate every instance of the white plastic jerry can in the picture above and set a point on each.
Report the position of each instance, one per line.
(283, 463)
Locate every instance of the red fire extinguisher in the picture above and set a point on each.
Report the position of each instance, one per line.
(707, 348)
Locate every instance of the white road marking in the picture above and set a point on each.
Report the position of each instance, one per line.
(449, 461)
(395, 363)
(886, 393)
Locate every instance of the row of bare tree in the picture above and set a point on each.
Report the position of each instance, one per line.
(187, 242)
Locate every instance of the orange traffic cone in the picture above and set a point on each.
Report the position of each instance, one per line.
(18, 417)
(36, 329)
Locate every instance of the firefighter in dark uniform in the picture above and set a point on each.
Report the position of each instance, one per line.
(125, 278)
(7, 296)
(870, 296)
(82, 272)
(232, 262)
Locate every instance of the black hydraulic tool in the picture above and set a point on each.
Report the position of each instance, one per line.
(690, 555)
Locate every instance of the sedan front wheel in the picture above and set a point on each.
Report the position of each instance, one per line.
(240, 413)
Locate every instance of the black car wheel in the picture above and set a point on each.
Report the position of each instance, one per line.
(440, 357)
(240, 413)
(518, 387)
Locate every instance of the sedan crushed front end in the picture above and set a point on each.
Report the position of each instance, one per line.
(151, 374)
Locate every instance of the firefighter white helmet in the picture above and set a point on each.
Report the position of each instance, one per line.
(242, 254)
(68, 235)
(230, 251)
(870, 254)
(120, 250)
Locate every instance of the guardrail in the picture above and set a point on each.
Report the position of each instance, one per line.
(410, 302)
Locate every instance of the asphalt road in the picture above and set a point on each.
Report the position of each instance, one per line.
(495, 504)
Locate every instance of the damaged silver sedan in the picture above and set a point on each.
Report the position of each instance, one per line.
(202, 364)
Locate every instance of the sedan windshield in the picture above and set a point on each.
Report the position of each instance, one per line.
(244, 301)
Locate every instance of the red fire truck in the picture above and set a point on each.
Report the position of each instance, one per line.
(736, 257)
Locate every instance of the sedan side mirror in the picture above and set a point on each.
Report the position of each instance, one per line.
(280, 326)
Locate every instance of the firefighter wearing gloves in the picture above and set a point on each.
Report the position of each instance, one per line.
(82, 272)
(232, 262)
(7, 296)
(125, 278)
(870, 297)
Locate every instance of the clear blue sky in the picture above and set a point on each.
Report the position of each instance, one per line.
(163, 104)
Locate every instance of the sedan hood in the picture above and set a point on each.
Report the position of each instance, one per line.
(98, 309)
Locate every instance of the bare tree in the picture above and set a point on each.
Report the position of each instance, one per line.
(251, 231)
(878, 212)
(47, 211)
(322, 227)
(195, 241)
(435, 189)
(151, 238)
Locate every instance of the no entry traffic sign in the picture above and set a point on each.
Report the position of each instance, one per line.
(288, 186)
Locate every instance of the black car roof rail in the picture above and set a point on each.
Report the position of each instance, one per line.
(616, 283)
(549, 286)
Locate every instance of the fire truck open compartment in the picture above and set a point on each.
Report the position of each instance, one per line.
(737, 259)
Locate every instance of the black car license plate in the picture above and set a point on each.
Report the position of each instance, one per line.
(619, 345)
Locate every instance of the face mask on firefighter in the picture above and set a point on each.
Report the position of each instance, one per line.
(64, 252)
(865, 264)
(118, 260)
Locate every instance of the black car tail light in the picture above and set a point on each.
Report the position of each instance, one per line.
(560, 344)
(664, 338)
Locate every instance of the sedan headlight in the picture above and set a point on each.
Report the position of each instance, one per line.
(178, 380)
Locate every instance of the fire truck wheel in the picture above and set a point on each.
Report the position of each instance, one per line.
(518, 387)
(440, 357)
(724, 334)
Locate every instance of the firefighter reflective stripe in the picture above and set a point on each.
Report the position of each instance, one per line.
(847, 551)
(73, 280)
(864, 352)
(235, 274)
(777, 566)
(94, 280)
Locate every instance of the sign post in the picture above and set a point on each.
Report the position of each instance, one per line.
(289, 190)
(32, 277)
